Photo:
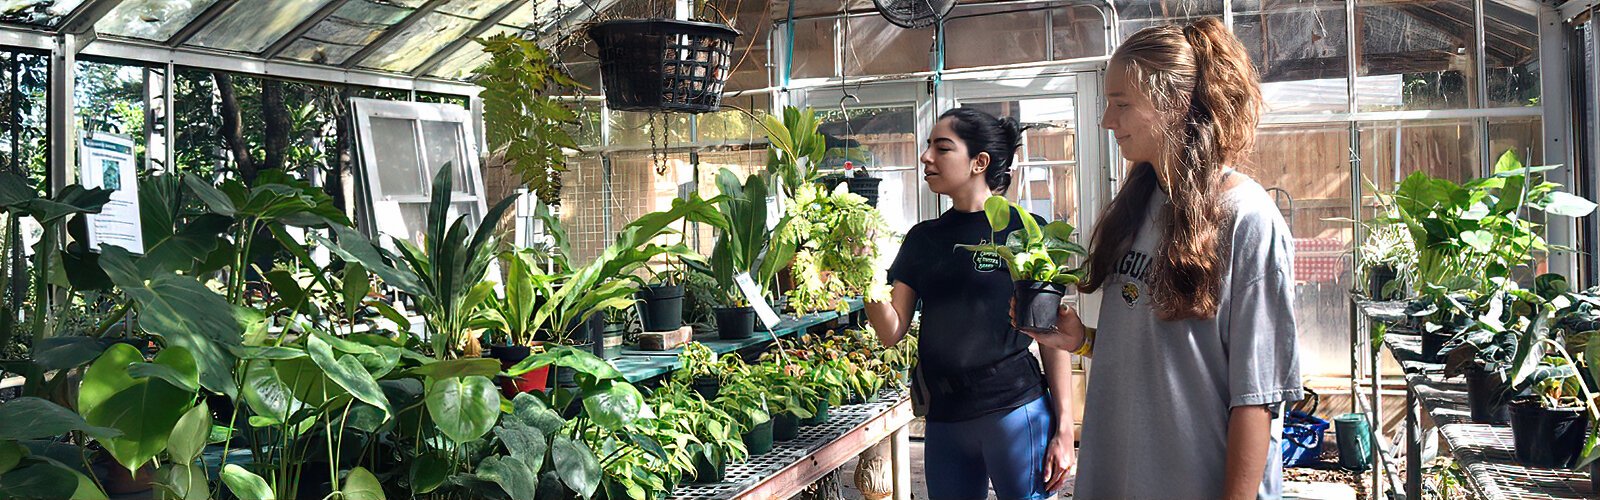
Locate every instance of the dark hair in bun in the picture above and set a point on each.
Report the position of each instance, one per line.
(983, 133)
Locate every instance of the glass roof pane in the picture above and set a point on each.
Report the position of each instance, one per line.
(460, 64)
(312, 51)
(341, 35)
(476, 9)
(418, 42)
(252, 26)
(36, 12)
(370, 12)
(528, 13)
(151, 19)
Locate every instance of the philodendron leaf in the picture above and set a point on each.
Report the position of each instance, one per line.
(185, 313)
(182, 481)
(463, 407)
(525, 442)
(59, 353)
(361, 485)
(348, 373)
(266, 394)
(577, 465)
(1570, 205)
(246, 484)
(40, 480)
(464, 367)
(428, 473)
(190, 434)
(11, 454)
(614, 404)
(533, 411)
(517, 479)
(35, 418)
(998, 210)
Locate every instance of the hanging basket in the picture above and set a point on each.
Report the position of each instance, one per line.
(664, 64)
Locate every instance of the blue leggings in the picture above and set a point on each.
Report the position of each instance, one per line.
(960, 459)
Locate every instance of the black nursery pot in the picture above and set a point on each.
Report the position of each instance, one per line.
(759, 439)
(708, 387)
(785, 427)
(509, 354)
(662, 310)
(1487, 399)
(707, 472)
(1037, 304)
(821, 416)
(1432, 343)
(735, 322)
(1547, 437)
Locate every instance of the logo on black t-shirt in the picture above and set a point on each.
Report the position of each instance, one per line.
(985, 262)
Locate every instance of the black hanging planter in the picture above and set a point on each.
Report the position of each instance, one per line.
(1037, 304)
(662, 310)
(664, 64)
(866, 187)
(1547, 437)
(735, 323)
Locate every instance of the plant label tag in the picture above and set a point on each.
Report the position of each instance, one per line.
(752, 293)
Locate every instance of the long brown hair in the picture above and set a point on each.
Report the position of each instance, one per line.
(1199, 77)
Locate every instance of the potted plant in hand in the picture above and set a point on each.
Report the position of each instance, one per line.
(835, 234)
(1040, 261)
(747, 247)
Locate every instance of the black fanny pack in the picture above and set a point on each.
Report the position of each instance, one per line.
(1017, 371)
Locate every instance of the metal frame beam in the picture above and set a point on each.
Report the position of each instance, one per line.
(1555, 96)
(392, 33)
(287, 39)
(253, 65)
(483, 26)
(200, 22)
(83, 19)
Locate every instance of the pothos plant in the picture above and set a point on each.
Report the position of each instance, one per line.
(699, 362)
(1043, 254)
(836, 236)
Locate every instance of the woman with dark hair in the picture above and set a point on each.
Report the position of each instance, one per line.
(990, 416)
(1196, 351)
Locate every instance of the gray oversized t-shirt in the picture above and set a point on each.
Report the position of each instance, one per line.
(1156, 416)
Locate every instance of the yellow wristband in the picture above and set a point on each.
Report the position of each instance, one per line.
(1087, 349)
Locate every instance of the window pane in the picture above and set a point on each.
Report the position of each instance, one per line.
(813, 49)
(395, 142)
(419, 41)
(535, 11)
(111, 99)
(1078, 31)
(1139, 14)
(1447, 149)
(884, 140)
(1513, 54)
(1299, 48)
(876, 47)
(1008, 37)
(1416, 54)
(252, 26)
(733, 125)
(474, 9)
(641, 129)
(442, 144)
(587, 131)
(582, 210)
(1525, 136)
(341, 35)
(1306, 169)
(1042, 179)
(151, 19)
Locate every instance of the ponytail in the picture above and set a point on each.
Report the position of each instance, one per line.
(983, 133)
(1200, 77)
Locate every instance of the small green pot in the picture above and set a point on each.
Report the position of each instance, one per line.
(759, 439)
(707, 472)
(821, 417)
(785, 427)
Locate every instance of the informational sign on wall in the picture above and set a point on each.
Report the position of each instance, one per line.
(106, 161)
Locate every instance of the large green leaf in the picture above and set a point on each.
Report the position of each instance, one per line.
(361, 485)
(35, 418)
(265, 393)
(246, 484)
(306, 381)
(614, 404)
(145, 410)
(182, 481)
(347, 372)
(60, 353)
(40, 480)
(11, 454)
(428, 472)
(524, 441)
(1570, 205)
(464, 367)
(214, 199)
(998, 211)
(353, 247)
(580, 361)
(533, 411)
(187, 381)
(576, 464)
(185, 313)
(518, 480)
(463, 407)
(190, 434)
(183, 250)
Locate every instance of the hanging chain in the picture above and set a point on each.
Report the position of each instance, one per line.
(658, 148)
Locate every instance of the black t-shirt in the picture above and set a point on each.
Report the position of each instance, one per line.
(970, 357)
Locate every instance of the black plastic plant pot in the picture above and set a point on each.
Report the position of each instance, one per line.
(1377, 278)
(662, 310)
(664, 64)
(785, 427)
(708, 387)
(1594, 477)
(509, 354)
(1547, 437)
(1432, 343)
(1486, 398)
(1037, 304)
(820, 417)
(707, 472)
(866, 187)
(735, 323)
(759, 439)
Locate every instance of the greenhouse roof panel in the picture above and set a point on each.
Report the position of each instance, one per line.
(251, 26)
(418, 42)
(156, 20)
(473, 9)
(460, 64)
(42, 13)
